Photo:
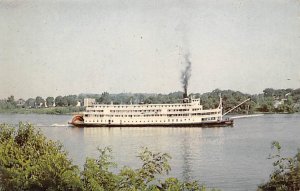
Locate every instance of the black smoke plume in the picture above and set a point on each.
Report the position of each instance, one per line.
(186, 74)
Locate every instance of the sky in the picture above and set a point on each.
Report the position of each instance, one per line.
(62, 47)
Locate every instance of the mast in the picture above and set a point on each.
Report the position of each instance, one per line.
(220, 105)
(236, 107)
(220, 102)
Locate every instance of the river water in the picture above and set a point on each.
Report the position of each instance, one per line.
(231, 158)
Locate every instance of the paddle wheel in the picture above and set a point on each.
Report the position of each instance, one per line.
(77, 119)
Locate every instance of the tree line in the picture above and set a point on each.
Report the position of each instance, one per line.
(30, 161)
(39, 102)
(271, 100)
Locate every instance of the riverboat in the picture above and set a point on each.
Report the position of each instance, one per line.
(188, 113)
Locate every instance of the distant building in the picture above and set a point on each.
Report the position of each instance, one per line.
(39, 105)
(279, 102)
(20, 102)
(78, 104)
(87, 102)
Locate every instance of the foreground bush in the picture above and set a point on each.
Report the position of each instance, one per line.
(30, 161)
(286, 174)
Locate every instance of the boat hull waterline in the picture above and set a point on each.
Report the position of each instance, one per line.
(224, 123)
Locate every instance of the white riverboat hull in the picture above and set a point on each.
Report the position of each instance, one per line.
(223, 123)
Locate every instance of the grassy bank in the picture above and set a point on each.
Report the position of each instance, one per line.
(50, 110)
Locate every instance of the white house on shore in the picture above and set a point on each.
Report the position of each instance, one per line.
(20, 102)
(88, 102)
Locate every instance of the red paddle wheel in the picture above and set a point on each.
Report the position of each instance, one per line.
(77, 119)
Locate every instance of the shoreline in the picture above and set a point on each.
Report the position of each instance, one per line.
(71, 110)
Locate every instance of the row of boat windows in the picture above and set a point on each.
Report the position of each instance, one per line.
(178, 110)
(208, 113)
(127, 111)
(139, 106)
(148, 110)
(151, 121)
(152, 115)
(94, 110)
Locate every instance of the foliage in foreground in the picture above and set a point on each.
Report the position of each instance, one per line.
(29, 161)
(286, 174)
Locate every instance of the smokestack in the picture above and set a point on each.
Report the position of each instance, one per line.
(186, 74)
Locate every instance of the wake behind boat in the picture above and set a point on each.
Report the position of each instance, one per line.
(246, 116)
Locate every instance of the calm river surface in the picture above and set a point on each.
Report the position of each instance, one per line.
(225, 158)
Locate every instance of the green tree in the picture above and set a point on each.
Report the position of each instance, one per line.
(289, 105)
(269, 92)
(296, 95)
(10, 103)
(30, 103)
(96, 174)
(267, 105)
(105, 98)
(71, 100)
(39, 101)
(11, 99)
(29, 161)
(61, 101)
(49, 101)
(286, 174)
(64, 101)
